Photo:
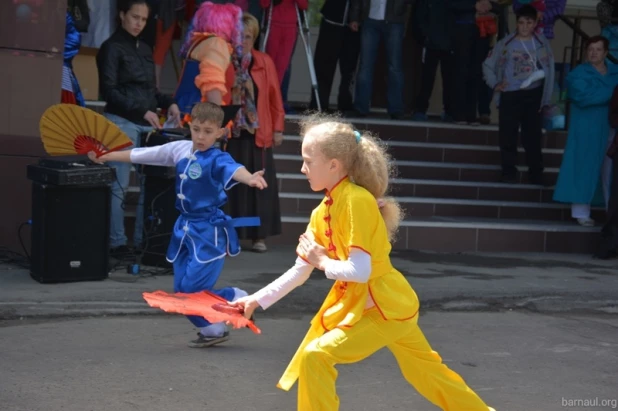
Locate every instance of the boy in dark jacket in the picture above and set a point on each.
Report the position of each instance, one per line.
(520, 70)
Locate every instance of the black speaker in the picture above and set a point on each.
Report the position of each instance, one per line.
(160, 215)
(70, 232)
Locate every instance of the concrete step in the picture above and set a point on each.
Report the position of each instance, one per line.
(431, 132)
(427, 170)
(426, 207)
(440, 152)
(408, 187)
(414, 131)
(401, 187)
(461, 234)
(443, 234)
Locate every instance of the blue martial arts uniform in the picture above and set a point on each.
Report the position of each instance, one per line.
(203, 234)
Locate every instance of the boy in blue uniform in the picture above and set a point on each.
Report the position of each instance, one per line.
(203, 234)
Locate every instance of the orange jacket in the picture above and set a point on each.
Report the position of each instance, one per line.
(269, 104)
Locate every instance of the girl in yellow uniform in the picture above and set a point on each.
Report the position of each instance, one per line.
(371, 305)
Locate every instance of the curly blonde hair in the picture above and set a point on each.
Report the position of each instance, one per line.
(367, 161)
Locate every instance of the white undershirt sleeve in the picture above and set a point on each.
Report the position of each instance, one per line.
(283, 285)
(166, 155)
(356, 269)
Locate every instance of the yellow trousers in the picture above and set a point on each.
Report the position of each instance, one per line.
(421, 366)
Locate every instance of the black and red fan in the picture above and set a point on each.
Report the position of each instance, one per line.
(68, 129)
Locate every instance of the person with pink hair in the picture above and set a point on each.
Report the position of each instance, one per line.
(213, 39)
(223, 67)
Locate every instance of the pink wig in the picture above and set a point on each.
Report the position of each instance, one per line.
(222, 20)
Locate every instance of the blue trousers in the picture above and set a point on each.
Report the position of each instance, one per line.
(117, 236)
(372, 31)
(191, 276)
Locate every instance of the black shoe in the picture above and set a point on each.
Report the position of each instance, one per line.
(538, 180)
(202, 341)
(509, 178)
(120, 252)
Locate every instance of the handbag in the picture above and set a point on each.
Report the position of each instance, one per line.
(553, 119)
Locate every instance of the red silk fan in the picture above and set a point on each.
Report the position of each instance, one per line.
(68, 129)
(204, 304)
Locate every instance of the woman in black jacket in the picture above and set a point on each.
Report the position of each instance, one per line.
(127, 85)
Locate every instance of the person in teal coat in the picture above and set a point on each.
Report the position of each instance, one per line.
(589, 86)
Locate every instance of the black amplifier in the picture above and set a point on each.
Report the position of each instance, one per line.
(74, 170)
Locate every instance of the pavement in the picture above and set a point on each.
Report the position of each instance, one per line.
(543, 283)
(526, 332)
(515, 361)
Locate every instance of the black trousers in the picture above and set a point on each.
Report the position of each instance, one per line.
(470, 52)
(335, 44)
(428, 77)
(521, 108)
(609, 233)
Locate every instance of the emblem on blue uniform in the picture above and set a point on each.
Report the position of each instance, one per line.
(195, 171)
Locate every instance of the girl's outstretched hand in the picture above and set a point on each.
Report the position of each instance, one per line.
(311, 251)
(247, 304)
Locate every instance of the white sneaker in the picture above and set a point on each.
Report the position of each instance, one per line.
(238, 293)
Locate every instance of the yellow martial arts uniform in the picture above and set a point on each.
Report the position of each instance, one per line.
(344, 331)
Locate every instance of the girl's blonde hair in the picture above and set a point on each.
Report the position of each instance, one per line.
(367, 161)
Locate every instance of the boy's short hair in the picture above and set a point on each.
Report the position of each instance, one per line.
(207, 111)
(527, 11)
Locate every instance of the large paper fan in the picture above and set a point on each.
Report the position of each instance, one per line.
(68, 129)
(204, 304)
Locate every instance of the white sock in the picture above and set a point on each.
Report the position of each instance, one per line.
(214, 330)
(238, 293)
(580, 211)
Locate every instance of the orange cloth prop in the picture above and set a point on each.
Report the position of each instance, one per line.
(204, 304)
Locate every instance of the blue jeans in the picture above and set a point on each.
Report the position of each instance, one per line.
(372, 31)
(117, 236)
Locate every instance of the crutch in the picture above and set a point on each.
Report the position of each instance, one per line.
(305, 35)
(266, 26)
